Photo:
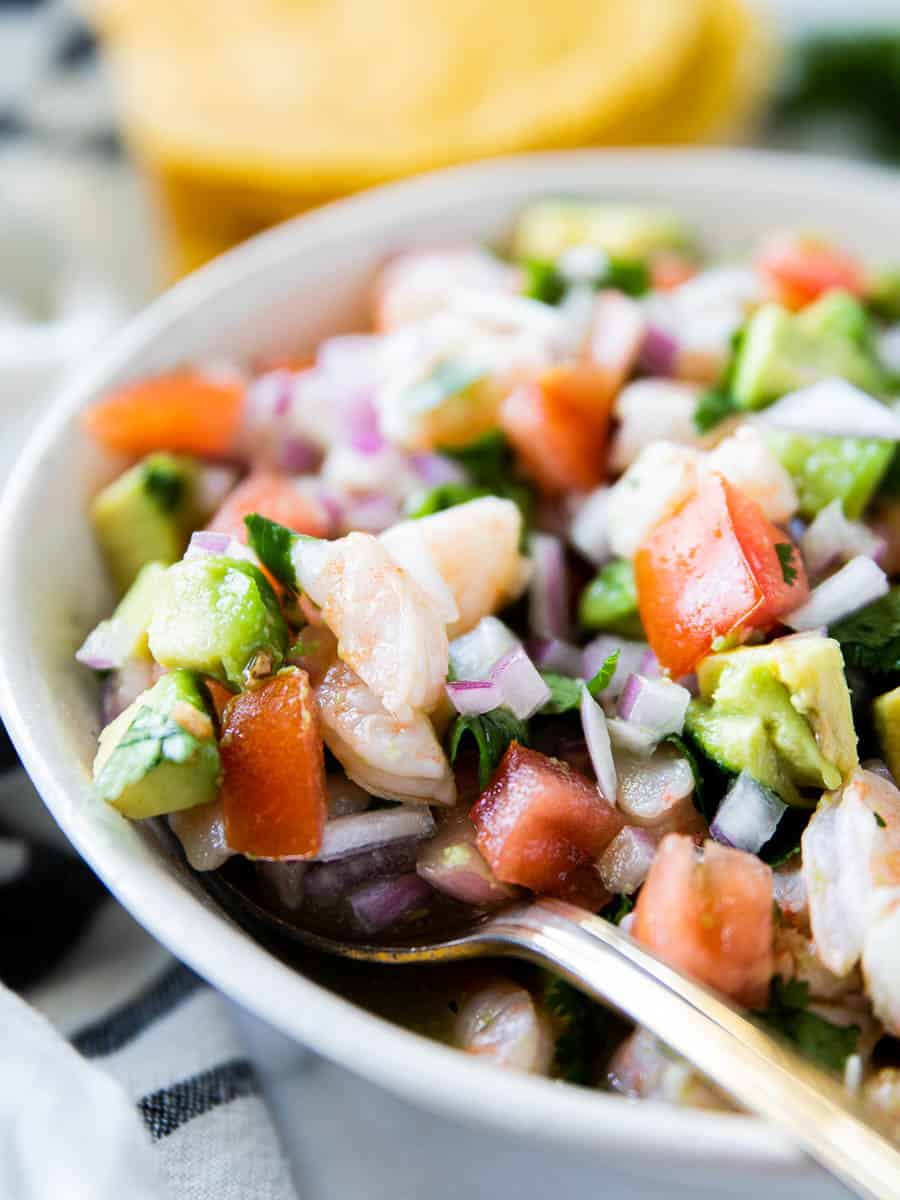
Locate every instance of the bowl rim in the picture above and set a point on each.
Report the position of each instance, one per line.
(430, 1074)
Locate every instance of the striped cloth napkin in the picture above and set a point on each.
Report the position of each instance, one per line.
(123, 1074)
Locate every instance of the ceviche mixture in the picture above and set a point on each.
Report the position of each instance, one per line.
(572, 577)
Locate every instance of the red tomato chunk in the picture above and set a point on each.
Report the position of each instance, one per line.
(710, 917)
(801, 269)
(542, 825)
(274, 787)
(712, 568)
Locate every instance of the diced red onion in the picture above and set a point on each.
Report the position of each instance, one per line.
(589, 529)
(452, 863)
(326, 884)
(659, 352)
(124, 686)
(384, 902)
(370, 513)
(472, 697)
(596, 734)
(521, 687)
(285, 880)
(626, 923)
(349, 359)
(831, 538)
(298, 455)
(473, 654)
(205, 542)
(436, 469)
(350, 835)
(269, 399)
(833, 408)
(657, 704)
(656, 792)
(107, 646)
(630, 736)
(650, 668)
(625, 863)
(631, 659)
(363, 432)
(548, 610)
(551, 654)
(889, 348)
(345, 798)
(748, 815)
(852, 587)
(213, 485)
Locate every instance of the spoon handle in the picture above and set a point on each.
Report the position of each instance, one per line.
(760, 1072)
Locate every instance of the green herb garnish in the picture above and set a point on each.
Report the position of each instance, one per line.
(493, 731)
(870, 638)
(565, 692)
(818, 1040)
(785, 552)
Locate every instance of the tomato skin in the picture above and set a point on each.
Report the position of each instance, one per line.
(711, 919)
(273, 789)
(272, 495)
(799, 270)
(558, 425)
(709, 569)
(183, 411)
(542, 825)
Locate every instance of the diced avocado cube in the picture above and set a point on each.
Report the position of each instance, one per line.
(739, 742)
(884, 294)
(218, 616)
(829, 468)
(886, 710)
(548, 228)
(811, 667)
(609, 602)
(783, 351)
(146, 515)
(160, 755)
(123, 636)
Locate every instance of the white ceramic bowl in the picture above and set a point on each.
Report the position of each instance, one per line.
(283, 291)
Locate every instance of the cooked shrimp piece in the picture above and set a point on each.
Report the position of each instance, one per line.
(796, 958)
(398, 760)
(419, 283)
(851, 864)
(389, 630)
(881, 966)
(475, 549)
(746, 461)
(500, 1022)
(642, 1068)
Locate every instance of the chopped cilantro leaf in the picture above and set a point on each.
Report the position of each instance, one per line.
(565, 691)
(493, 731)
(713, 406)
(489, 464)
(623, 906)
(273, 544)
(165, 484)
(785, 552)
(445, 495)
(689, 749)
(819, 1040)
(870, 638)
(628, 275)
(543, 281)
(447, 379)
(572, 1015)
(880, 821)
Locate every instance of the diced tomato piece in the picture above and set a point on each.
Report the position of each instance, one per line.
(617, 334)
(542, 825)
(669, 270)
(558, 426)
(273, 789)
(274, 496)
(710, 917)
(711, 568)
(800, 269)
(183, 411)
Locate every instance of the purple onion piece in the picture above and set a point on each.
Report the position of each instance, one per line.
(657, 704)
(748, 815)
(552, 654)
(327, 883)
(852, 587)
(361, 422)
(549, 596)
(596, 734)
(659, 352)
(630, 660)
(377, 905)
(471, 697)
(349, 835)
(298, 455)
(436, 469)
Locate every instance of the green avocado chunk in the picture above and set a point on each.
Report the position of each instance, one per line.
(791, 691)
(886, 711)
(147, 515)
(609, 602)
(829, 468)
(220, 617)
(549, 227)
(124, 635)
(160, 755)
(782, 351)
